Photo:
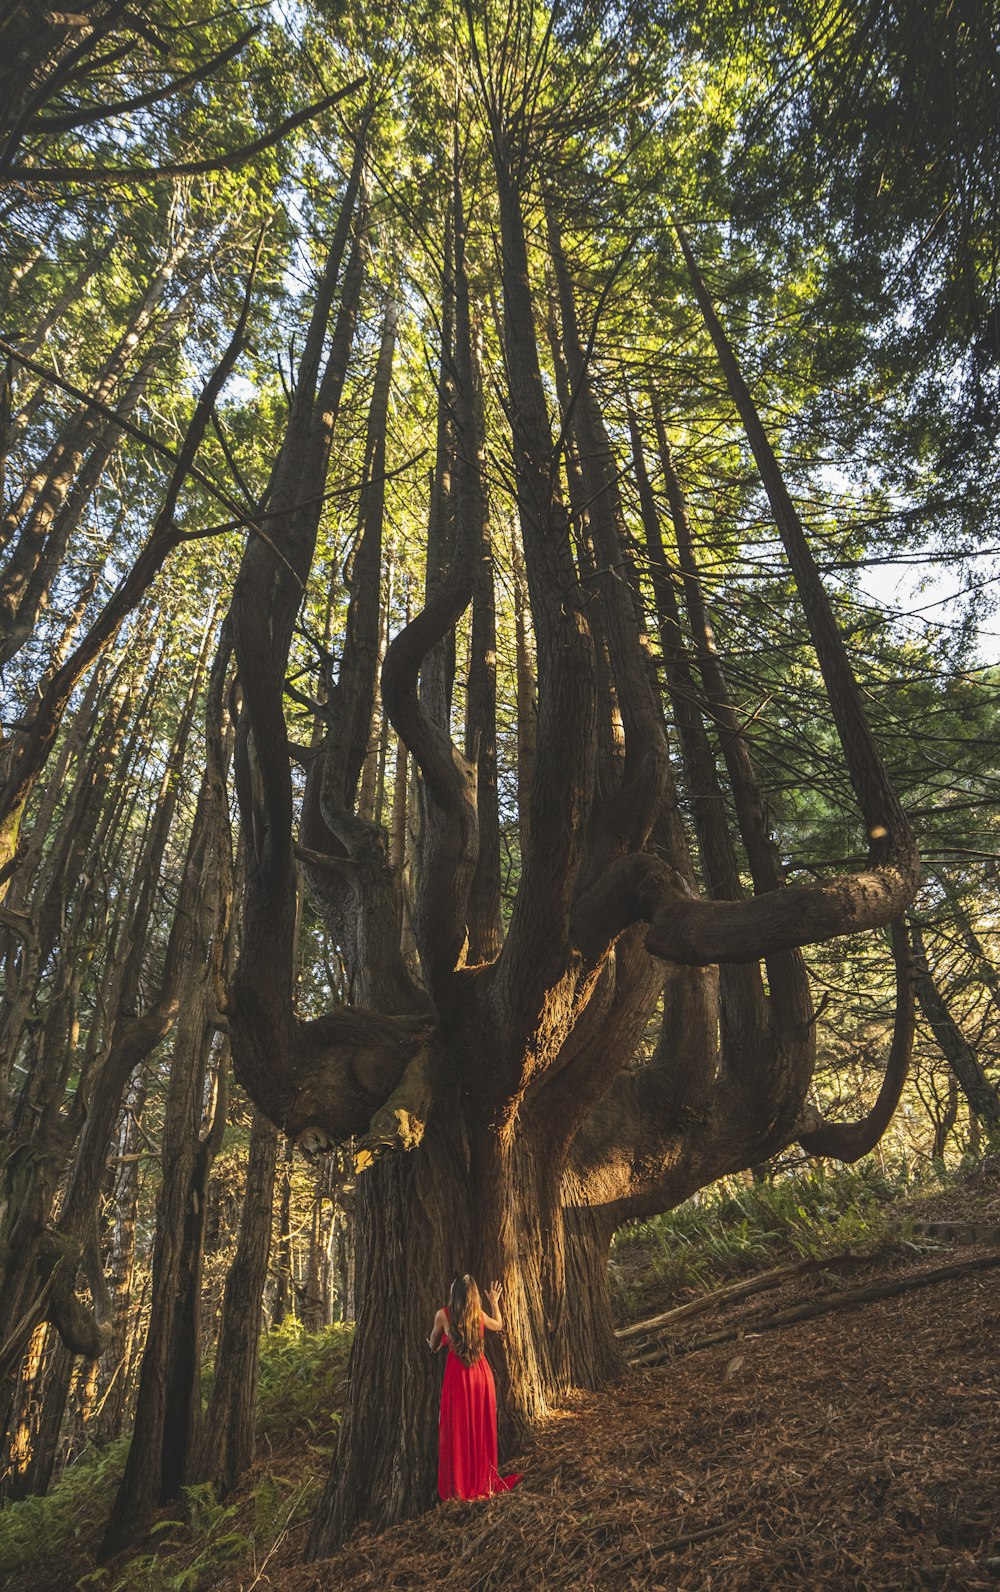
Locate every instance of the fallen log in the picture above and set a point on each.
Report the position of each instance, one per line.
(845, 1299)
(735, 1291)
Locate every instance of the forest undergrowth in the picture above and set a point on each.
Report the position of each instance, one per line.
(735, 1229)
(50, 1543)
(254, 1538)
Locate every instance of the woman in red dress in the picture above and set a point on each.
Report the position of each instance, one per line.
(467, 1434)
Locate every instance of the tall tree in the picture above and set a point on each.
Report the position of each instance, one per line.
(510, 358)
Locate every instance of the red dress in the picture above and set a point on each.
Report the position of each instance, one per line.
(467, 1434)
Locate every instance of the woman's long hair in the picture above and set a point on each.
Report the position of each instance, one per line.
(465, 1320)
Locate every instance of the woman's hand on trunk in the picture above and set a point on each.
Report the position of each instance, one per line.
(494, 1320)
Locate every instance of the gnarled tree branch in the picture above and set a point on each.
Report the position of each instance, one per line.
(849, 1141)
(696, 933)
(85, 1329)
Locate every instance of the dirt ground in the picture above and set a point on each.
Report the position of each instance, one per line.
(857, 1450)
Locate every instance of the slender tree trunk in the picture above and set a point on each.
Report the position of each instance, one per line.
(485, 925)
(312, 1287)
(23, 1409)
(437, 677)
(168, 1402)
(161, 1425)
(526, 691)
(230, 1427)
(983, 1098)
(52, 1395)
(945, 1120)
(283, 1304)
(112, 1388)
(182, 1428)
(985, 970)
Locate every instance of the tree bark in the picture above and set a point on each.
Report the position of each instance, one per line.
(283, 1303)
(113, 1381)
(979, 1092)
(168, 1405)
(230, 1426)
(459, 1201)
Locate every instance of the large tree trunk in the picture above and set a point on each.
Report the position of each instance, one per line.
(461, 1201)
(412, 1234)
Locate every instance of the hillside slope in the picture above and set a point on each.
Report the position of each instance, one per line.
(856, 1449)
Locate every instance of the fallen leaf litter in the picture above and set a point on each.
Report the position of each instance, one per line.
(854, 1452)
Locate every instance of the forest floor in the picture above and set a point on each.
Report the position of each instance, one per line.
(855, 1449)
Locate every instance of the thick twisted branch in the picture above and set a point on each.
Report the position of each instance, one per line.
(451, 829)
(85, 1329)
(451, 840)
(697, 933)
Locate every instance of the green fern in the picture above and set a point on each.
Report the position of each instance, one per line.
(734, 1229)
(301, 1384)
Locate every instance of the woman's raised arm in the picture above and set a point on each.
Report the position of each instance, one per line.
(493, 1318)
